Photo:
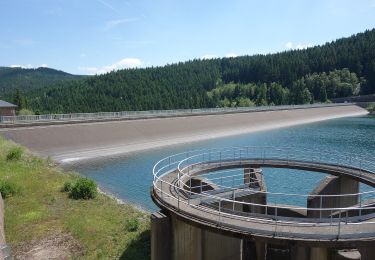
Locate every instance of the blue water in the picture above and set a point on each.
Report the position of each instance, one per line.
(129, 177)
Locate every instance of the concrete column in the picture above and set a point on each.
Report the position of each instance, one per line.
(191, 242)
(186, 241)
(160, 237)
(254, 176)
(260, 250)
(248, 250)
(220, 247)
(332, 185)
(299, 253)
(319, 253)
(367, 253)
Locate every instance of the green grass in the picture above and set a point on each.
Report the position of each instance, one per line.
(40, 208)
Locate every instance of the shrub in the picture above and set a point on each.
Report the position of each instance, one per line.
(8, 189)
(371, 107)
(83, 188)
(67, 187)
(25, 112)
(132, 225)
(15, 154)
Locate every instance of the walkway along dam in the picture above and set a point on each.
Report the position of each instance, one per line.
(215, 205)
(69, 142)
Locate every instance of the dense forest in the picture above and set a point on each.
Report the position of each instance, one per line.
(340, 68)
(29, 79)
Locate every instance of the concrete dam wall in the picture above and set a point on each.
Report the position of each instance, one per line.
(66, 143)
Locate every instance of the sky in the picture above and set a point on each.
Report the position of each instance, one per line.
(97, 36)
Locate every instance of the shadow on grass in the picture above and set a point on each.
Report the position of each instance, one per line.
(140, 248)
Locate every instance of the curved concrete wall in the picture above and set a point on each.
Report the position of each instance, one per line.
(81, 141)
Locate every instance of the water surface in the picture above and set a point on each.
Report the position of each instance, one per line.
(129, 177)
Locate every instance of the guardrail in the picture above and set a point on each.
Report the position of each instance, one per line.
(71, 117)
(207, 162)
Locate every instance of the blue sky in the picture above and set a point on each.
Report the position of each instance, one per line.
(95, 36)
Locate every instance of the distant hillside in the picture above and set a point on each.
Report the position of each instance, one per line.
(29, 79)
(340, 68)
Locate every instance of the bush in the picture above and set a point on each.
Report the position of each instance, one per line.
(83, 188)
(15, 154)
(371, 107)
(132, 225)
(7, 189)
(25, 112)
(67, 187)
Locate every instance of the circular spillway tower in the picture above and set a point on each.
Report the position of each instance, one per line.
(215, 205)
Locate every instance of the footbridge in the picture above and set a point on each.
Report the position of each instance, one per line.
(222, 191)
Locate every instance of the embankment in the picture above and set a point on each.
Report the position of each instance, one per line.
(66, 143)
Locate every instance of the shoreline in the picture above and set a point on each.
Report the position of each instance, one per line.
(69, 144)
(119, 150)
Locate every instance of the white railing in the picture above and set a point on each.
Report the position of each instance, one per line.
(215, 165)
(51, 118)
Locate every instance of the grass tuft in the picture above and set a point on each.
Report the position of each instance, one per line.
(8, 189)
(14, 154)
(132, 225)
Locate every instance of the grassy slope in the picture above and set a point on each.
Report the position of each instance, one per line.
(40, 209)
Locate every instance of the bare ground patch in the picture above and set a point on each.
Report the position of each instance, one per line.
(57, 246)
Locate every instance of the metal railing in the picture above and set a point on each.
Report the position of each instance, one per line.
(213, 165)
(71, 117)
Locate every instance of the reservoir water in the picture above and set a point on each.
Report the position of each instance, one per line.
(129, 177)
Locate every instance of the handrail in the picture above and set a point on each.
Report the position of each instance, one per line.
(187, 162)
(71, 117)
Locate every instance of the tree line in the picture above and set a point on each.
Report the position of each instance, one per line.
(340, 68)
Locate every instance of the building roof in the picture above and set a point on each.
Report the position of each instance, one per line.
(4, 104)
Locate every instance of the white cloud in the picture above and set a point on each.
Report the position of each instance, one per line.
(209, 56)
(300, 46)
(289, 45)
(231, 55)
(28, 66)
(126, 63)
(114, 23)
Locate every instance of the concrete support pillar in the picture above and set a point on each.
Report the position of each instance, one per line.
(186, 241)
(248, 250)
(160, 237)
(319, 253)
(260, 250)
(299, 253)
(367, 253)
(254, 179)
(217, 246)
(332, 185)
(191, 242)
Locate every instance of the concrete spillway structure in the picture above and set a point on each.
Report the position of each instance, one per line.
(233, 219)
(70, 142)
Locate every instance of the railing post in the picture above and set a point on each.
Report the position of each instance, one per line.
(219, 211)
(339, 228)
(161, 188)
(321, 203)
(178, 191)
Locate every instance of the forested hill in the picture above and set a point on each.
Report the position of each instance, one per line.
(340, 68)
(28, 79)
